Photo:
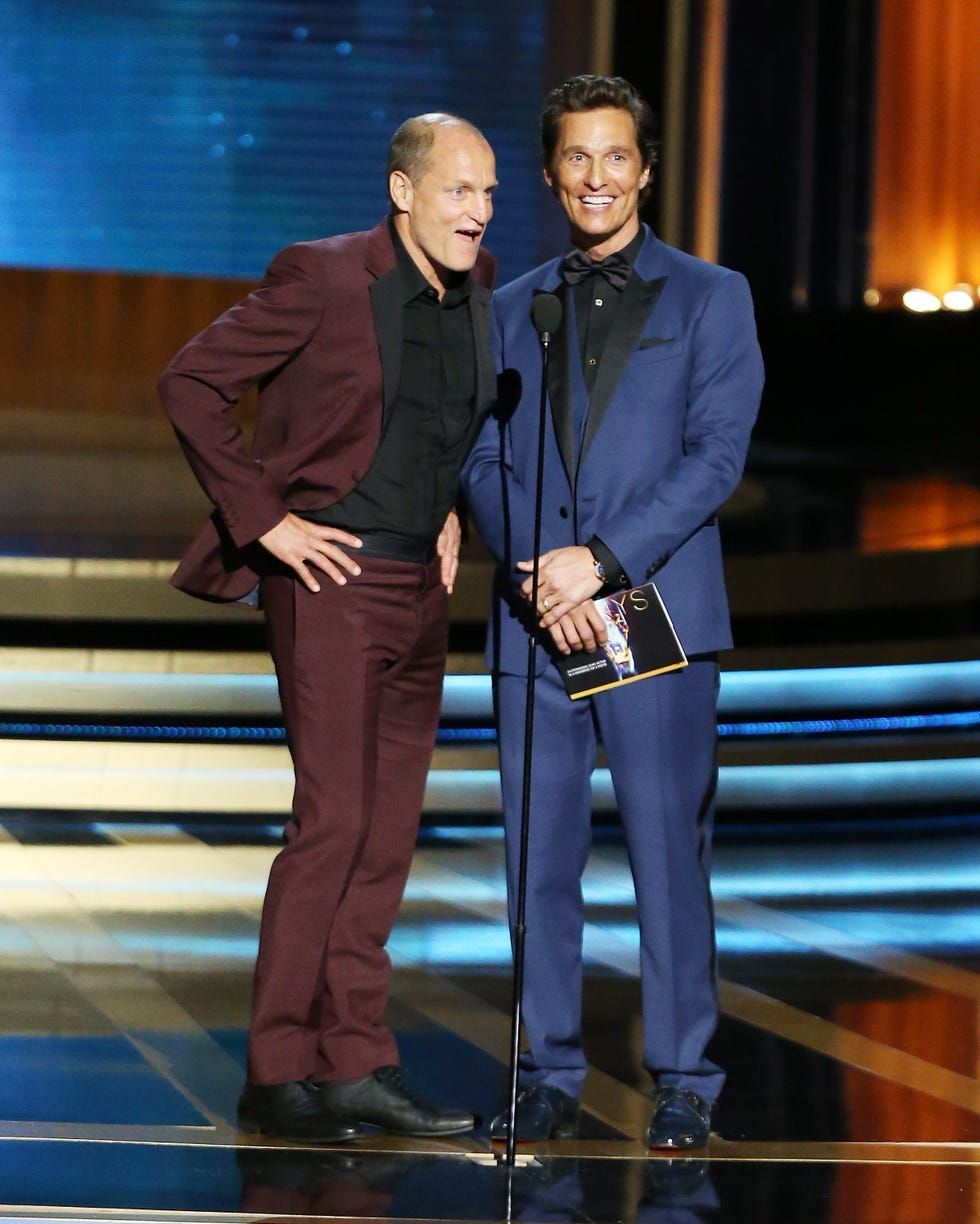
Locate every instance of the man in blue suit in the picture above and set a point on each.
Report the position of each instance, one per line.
(654, 384)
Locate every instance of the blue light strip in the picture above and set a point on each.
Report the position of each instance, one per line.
(853, 688)
(486, 942)
(850, 784)
(885, 724)
(792, 689)
(760, 788)
(854, 726)
(870, 869)
(789, 690)
(156, 731)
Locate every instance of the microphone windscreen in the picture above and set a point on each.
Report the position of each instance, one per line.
(508, 394)
(545, 313)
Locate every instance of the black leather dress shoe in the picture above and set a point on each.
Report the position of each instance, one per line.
(672, 1182)
(382, 1099)
(291, 1111)
(542, 1113)
(681, 1119)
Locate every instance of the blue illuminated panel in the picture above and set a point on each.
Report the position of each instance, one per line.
(199, 136)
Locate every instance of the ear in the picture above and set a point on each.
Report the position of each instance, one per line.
(401, 190)
(549, 181)
(645, 176)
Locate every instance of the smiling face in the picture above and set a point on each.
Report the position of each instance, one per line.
(441, 215)
(597, 175)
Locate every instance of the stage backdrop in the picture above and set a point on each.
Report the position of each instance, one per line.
(155, 154)
(196, 137)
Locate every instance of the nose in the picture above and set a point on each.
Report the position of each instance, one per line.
(594, 176)
(482, 209)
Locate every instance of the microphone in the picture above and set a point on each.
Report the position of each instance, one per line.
(546, 316)
(509, 386)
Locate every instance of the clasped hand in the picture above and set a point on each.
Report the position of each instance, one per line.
(566, 585)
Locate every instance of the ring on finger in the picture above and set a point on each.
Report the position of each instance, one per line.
(545, 605)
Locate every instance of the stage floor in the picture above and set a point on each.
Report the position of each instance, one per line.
(850, 978)
(849, 953)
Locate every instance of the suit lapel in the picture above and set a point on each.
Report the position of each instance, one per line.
(486, 375)
(386, 308)
(639, 298)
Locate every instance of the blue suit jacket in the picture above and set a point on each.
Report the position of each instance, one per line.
(663, 446)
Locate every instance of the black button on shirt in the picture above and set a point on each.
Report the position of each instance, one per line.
(413, 481)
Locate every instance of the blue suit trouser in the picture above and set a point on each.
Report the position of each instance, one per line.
(660, 738)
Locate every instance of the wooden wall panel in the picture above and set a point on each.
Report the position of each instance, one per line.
(96, 342)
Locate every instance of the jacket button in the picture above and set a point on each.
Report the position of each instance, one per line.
(563, 511)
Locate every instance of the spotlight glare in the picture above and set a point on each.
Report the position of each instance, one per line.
(960, 297)
(920, 301)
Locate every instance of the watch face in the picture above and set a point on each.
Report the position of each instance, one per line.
(600, 571)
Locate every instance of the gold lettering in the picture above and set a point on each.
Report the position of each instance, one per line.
(639, 601)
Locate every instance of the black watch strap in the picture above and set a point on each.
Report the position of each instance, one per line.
(607, 567)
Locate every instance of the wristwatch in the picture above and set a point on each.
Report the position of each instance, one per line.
(600, 569)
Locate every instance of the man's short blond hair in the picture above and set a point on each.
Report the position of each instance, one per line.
(411, 145)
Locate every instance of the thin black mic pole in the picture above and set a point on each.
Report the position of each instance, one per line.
(546, 311)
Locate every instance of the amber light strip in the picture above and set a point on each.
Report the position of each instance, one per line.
(926, 228)
(711, 130)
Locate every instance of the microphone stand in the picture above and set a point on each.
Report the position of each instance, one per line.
(546, 312)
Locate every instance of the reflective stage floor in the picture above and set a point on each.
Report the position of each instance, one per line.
(847, 874)
(850, 1033)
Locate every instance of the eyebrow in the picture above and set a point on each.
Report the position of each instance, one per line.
(609, 149)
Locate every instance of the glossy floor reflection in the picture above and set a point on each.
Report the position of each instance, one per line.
(849, 1031)
(273, 1184)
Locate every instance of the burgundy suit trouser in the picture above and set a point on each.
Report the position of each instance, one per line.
(360, 671)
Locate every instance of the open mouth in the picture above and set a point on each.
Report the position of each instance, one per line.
(470, 235)
(596, 201)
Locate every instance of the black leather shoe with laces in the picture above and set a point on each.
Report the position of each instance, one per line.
(681, 1119)
(542, 1113)
(382, 1099)
(291, 1111)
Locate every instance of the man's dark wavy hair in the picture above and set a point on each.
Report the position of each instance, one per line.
(588, 92)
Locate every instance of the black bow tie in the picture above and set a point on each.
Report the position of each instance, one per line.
(576, 266)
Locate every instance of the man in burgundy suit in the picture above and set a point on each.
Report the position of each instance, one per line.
(371, 353)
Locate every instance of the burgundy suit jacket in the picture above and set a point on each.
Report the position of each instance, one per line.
(322, 337)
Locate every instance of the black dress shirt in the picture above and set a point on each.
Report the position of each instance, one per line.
(596, 302)
(595, 311)
(413, 481)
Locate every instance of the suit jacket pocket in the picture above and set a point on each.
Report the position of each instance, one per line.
(657, 348)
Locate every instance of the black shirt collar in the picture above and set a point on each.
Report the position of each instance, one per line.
(413, 283)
